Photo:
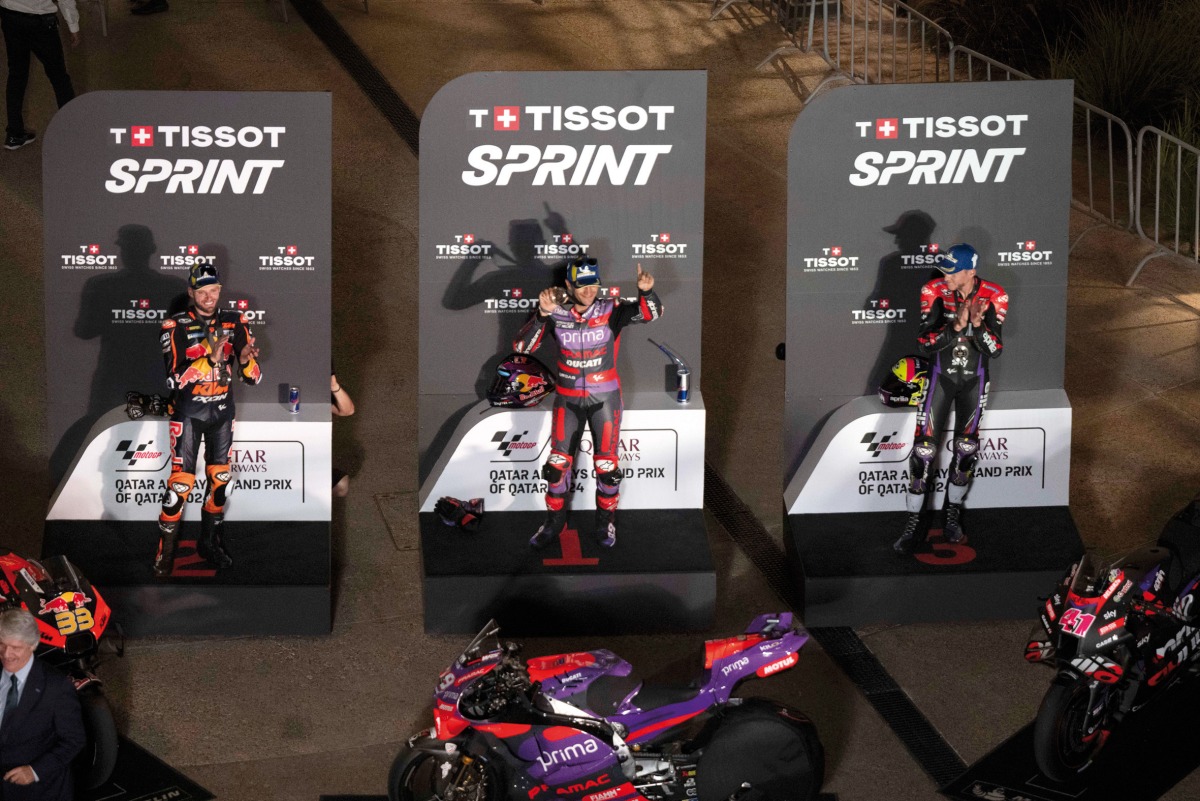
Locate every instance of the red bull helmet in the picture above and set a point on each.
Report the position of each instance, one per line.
(905, 384)
(521, 380)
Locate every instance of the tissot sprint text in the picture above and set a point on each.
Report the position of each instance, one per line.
(164, 172)
(926, 162)
(498, 163)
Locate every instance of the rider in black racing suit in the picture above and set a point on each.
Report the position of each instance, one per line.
(961, 317)
(587, 330)
(199, 347)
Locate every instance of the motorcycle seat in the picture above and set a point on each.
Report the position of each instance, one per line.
(653, 696)
(1183, 541)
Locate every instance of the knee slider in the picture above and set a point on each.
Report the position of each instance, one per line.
(218, 481)
(179, 485)
(556, 467)
(966, 451)
(608, 473)
(920, 464)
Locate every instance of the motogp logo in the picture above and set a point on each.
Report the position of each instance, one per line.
(877, 447)
(131, 455)
(507, 444)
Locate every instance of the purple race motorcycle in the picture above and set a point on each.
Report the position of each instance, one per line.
(583, 726)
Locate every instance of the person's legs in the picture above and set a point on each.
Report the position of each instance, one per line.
(218, 440)
(46, 44)
(16, 45)
(604, 421)
(565, 430)
(185, 444)
(930, 414)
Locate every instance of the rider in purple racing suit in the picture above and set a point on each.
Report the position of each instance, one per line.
(588, 331)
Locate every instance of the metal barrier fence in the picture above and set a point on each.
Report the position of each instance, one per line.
(1174, 205)
(1102, 180)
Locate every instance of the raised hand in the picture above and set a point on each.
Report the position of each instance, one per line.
(645, 281)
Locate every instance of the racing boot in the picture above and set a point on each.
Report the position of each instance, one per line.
(209, 545)
(952, 529)
(164, 560)
(605, 531)
(908, 538)
(549, 531)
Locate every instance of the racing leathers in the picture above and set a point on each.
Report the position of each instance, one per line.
(201, 356)
(959, 376)
(589, 389)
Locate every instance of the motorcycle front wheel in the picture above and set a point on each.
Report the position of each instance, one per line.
(418, 775)
(96, 761)
(1065, 741)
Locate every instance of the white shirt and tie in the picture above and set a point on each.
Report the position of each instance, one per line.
(6, 684)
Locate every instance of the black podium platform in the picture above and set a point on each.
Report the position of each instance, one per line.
(279, 582)
(141, 776)
(658, 577)
(850, 575)
(1145, 757)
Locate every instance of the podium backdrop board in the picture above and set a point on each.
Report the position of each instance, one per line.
(139, 186)
(881, 178)
(521, 173)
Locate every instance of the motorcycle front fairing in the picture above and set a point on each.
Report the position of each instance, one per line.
(71, 614)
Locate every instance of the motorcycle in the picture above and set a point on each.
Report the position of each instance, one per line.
(1117, 633)
(72, 620)
(585, 726)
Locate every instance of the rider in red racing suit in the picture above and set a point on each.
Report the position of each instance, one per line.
(199, 346)
(588, 332)
(961, 317)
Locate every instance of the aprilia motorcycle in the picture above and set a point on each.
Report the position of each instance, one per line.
(584, 726)
(1117, 634)
(72, 619)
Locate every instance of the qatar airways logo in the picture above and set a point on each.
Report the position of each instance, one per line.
(1025, 251)
(588, 164)
(192, 176)
(187, 257)
(89, 257)
(935, 166)
(465, 246)
(660, 246)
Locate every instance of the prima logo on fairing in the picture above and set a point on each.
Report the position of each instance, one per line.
(190, 176)
(956, 166)
(560, 164)
(738, 665)
(571, 753)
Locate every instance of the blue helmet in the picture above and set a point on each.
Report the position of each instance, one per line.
(957, 258)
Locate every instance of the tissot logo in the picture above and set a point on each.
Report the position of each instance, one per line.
(991, 125)
(286, 257)
(510, 300)
(927, 256)
(88, 257)
(833, 259)
(660, 246)
(1025, 251)
(887, 128)
(563, 245)
(465, 246)
(131, 455)
(507, 443)
(191, 176)
(878, 310)
(877, 444)
(138, 311)
(185, 258)
(249, 314)
(931, 166)
(572, 118)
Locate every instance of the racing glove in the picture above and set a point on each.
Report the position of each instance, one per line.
(464, 514)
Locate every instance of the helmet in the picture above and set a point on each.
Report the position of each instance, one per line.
(203, 275)
(957, 258)
(905, 384)
(520, 381)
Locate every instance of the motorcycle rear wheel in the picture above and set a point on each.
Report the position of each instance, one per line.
(773, 749)
(1061, 742)
(424, 776)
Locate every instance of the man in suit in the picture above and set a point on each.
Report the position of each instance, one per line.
(41, 728)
